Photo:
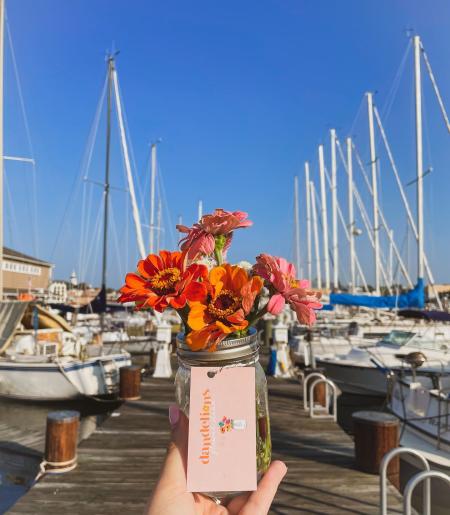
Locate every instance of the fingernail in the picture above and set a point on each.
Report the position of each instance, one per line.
(174, 415)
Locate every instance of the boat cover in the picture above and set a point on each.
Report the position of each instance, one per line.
(432, 314)
(413, 299)
(11, 313)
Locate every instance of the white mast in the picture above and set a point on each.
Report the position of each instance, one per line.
(323, 201)
(308, 221)
(2, 15)
(351, 216)
(159, 228)
(297, 228)
(312, 193)
(405, 202)
(126, 158)
(419, 156)
(200, 210)
(391, 257)
(152, 199)
(334, 219)
(373, 164)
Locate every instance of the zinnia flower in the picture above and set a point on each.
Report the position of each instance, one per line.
(232, 296)
(162, 280)
(280, 276)
(203, 237)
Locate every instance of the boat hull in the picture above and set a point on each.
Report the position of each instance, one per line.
(65, 380)
(355, 379)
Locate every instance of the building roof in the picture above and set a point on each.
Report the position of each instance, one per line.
(14, 254)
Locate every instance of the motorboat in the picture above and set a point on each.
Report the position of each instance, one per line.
(365, 370)
(422, 404)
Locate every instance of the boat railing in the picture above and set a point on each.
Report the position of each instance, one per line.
(383, 477)
(426, 475)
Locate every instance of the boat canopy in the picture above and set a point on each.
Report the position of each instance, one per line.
(413, 299)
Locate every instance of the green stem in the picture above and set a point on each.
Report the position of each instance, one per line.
(218, 256)
(257, 315)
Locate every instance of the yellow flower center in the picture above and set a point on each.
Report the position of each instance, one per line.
(225, 304)
(293, 283)
(163, 282)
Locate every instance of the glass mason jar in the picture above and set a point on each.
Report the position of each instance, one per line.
(231, 352)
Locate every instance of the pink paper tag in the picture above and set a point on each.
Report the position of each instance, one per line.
(222, 430)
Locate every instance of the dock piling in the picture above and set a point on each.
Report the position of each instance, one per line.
(130, 383)
(61, 440)
(376, 433)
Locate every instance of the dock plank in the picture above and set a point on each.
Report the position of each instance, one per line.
(119, 463)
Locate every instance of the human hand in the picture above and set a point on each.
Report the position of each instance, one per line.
(171, 498)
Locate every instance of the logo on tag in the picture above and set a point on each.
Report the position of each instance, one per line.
(227, 424)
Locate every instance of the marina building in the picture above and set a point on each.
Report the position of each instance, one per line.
(23, 274)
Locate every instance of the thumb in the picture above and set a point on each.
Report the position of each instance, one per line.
(172, 480)
(175, 465)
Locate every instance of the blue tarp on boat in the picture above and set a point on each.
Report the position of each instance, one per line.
(413, 299)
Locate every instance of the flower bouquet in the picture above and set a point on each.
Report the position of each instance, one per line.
(220, 304)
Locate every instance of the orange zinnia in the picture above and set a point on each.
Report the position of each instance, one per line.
(232, 296)
(162, 280)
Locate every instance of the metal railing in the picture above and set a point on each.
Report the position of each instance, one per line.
(414, 481)
(326, 408)
(306, 380)
(308, 404)
(383, 477)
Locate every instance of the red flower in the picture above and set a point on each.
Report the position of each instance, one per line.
(162, 280)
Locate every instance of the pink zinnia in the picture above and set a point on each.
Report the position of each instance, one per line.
(200, 238)
(280, 276)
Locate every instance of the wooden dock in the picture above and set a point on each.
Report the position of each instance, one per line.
(119, 463)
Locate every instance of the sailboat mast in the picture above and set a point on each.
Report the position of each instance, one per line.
(152, 199)
(126, 159)
(323, 200)
(334, 216)
(2, 20)
(419, 157)
(159, 227)
(351, 216)
(106, 186)
(312, 192)
(297, 228)
(373, 165)
(308, 221)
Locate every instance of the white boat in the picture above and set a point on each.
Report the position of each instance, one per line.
(422, 404)
(51, 378)
(364, 370)
(53, 363)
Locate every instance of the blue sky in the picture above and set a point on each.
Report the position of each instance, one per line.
(241, 94)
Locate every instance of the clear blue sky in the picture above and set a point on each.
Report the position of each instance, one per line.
(241, 93)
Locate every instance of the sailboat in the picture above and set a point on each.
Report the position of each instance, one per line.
(41, 357)
(365, 370)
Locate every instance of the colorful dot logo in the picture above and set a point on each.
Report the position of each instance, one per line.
(225, 425)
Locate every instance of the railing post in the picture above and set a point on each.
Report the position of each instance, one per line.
(327, 406)
(305, 388)
(414, 481)
(383, 473)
